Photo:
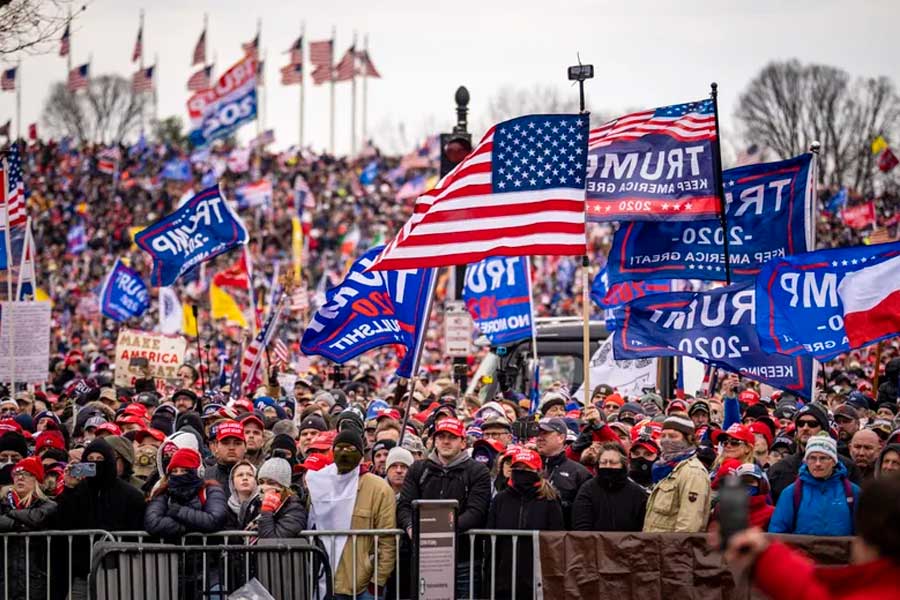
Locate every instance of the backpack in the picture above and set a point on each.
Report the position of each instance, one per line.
(798, 495)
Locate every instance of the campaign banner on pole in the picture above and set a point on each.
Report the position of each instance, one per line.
(798, 306)
(628, 377)
(497, 296)
(28, 323)
(230, 103)
(767, 207)
(124, 294)
(164, 354)
(611, 297)
(717, 328)
(202, 228)
(371, 309)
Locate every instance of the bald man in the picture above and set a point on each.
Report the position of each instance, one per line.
(864, 448)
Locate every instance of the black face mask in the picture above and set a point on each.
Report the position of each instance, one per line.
(525, 480)
(611, 478)
(641, 470)
(185, 487)
(501, 482)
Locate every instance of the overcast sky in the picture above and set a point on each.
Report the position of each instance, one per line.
(645, 53)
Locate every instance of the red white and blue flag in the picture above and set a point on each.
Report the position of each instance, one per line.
(138, 45)
(78, 78)
(251, 48)
(657, 164)
(519, 192)
(142, 80)
(108, 161)
(253, 354)
(8, 80)
(64, 42)
(296, 51)
(200, 80)
(14, 189)
(253, 194)
(199, 56)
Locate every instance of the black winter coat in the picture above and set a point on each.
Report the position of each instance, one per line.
(170, 520)
(784, 472)
(619, 508)
(514, 509)
(35, 517)
(286, 522)
(221, 473)
(567, 477)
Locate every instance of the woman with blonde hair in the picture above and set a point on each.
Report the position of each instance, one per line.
(738, 444)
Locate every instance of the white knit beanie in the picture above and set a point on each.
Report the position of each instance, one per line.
(277, 470)
(823, 444)
(398, 455)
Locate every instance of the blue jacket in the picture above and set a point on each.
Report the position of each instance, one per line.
(823, 506)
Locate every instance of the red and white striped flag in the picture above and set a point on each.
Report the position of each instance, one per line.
(366, 67)
(519, 192)
(8, 80)
(251, 48)
(281, 353)
(200, 80)
(321, 53)
(321, 74)
(78, 78)
(138, 45)
(253, 354)
(64, 42)
(200, 50)
(346, 68)
(292, 74)
(13, 192)
(296, 51)
(142, 80)
(108, 161)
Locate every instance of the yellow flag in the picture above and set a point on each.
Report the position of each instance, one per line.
(297, 246)
(879, 144)
(188, 322)
(41, 296)
(223, 306)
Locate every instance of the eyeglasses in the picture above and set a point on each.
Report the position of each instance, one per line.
(731, 442)
(808, 424)
(818, 458)
(21, 474)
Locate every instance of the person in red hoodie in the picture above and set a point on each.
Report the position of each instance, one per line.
(874, 573)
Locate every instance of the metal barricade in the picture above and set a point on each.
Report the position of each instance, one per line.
(490, 536)
(140, 571)
(33, 561)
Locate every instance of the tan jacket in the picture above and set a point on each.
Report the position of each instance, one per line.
(375, 508)
(680, 502)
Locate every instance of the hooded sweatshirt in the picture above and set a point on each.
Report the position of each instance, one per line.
(240, 514)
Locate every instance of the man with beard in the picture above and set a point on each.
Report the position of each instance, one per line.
(847, 420)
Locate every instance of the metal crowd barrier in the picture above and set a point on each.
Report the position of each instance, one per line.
(20, 546)
(514, 535)
(140, 571)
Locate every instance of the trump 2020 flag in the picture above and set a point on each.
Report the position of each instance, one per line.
(611, 297)
(767, 206)
(123, 295)
(519, 192)
(497, 296)
(202, 228)
(716, 328)
(657, 164)
(871, 299)
(371, 309)
(798, 307)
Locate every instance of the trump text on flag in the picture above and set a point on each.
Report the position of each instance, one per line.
(497, 296)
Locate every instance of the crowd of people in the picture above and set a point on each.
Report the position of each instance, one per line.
(78, 452)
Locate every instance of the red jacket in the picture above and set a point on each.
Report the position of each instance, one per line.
(782, 573)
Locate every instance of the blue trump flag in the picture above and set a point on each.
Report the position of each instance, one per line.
(499, 299)
(123, 295)
(716, 328)
(767, 207)
(797, 302)
(371, 309)
(203, 228)
(611, 298)
(177, 169)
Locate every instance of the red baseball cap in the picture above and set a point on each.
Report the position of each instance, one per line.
(229, 429)
(391, 413)
(452, 426)
(749, 397)
(50, 438)
(135, 409)
(527, 457)
(252, 417)
(323, 441)
(762, 429)
(32, 465)
(156, 434)
(317, 462)
(129, 420)
(736, 431)
(110, 428)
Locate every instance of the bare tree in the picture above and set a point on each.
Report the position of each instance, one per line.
(108, 111)
(32, 25)
(788, 105)
(512, 101)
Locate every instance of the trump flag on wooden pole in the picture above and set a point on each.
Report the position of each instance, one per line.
(519, 192)
(871, 299)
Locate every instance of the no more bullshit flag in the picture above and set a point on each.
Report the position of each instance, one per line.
(499, 299)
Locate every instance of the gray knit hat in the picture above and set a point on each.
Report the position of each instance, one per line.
(821, 443)
(399, 455)
(277, 470)
(685, 426)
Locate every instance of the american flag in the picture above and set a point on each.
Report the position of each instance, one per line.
(78, 78)
(689, 122)
(142, 81)
(296, 51)
(64, 42)
(8, 81)
(200, 50)
(138, 45)
(251, 48)
(4, 129)
(519, 192)
(292, 74)
(282, 354)
(200, 80)
(321, 74)
(366, 67)
(108, 160)
(321, 53)
(252, 355)
(15, 184)
(346, 68)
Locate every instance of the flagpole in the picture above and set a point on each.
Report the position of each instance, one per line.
(261, 77)
(534, 351)
(302, 81)
(365, 98)
(812, 209)
(9, 290)
(331, 78)
(19, 99)
(69, 53)
(420, 342)
(155, 96)
(141, 65)
(258, 92)
(353, 97)
(717, 174)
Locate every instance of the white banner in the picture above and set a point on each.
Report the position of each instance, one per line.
(164, 354)
(29, 325)
(627, 377)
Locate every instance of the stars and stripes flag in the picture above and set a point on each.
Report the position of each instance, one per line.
(14, 189)
(321, 74)
(296, 51)
(366, 66)
(519, 192)
(8, 80)
(321, 53)
(108, 161)
(655, 164)
(345, 70)
(138, 45)
(142, 80)
(253, 353)
(281, 353)
(251, 48)
(78, 78)
(199, 56)
(200, 80)
(292, 74)
(64, 42)
(4, 129)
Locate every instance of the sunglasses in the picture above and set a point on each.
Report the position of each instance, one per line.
(808, 424)
(731, 442)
